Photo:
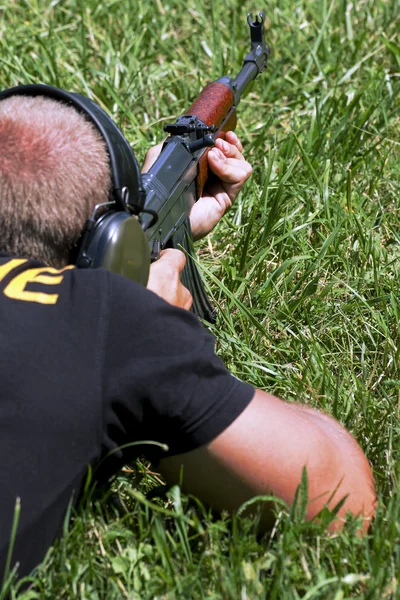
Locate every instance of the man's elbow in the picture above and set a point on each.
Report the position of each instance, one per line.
(339, 472)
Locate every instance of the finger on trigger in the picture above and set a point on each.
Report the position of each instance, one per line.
(175, 257)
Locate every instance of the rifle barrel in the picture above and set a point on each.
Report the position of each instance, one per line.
(255, 61)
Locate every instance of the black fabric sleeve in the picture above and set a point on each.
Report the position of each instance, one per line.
(163, 381)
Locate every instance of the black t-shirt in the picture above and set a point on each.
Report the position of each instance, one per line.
(91, 362)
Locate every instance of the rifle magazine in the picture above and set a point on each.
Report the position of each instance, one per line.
(190, 276)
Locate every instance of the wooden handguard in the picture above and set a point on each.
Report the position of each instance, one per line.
(214, 106)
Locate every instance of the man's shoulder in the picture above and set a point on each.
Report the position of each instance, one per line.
(96, 291)
(119, 293)
(31, 280)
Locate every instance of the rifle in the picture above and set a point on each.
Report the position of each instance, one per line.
(177, 178)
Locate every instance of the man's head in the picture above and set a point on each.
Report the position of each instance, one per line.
(54, 169)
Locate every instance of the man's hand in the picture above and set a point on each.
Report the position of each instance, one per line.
(226, 161)
(164, 279)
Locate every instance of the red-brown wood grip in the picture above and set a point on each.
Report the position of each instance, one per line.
(212, 106)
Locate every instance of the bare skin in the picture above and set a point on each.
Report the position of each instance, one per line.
(229, 165)
(266, 448)
(164, 279)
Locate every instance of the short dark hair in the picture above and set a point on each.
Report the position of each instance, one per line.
(54, 169)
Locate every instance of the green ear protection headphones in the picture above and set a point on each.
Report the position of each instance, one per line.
(115, 240)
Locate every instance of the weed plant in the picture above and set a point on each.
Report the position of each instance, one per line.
(304, 271)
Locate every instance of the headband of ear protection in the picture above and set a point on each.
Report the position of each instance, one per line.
(114, 241)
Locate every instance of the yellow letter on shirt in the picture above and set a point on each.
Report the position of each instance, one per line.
(16, 288)
(10, 265)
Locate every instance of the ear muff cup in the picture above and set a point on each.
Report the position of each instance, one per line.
(118, 244)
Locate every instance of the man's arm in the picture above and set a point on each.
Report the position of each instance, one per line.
(265, 450)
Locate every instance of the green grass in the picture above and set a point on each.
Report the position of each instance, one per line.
(305, 271)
